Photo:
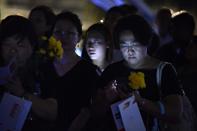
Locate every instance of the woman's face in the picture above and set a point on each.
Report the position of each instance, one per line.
(133, 52)
(39, 22)
(96, 46)
(16, 48)
(67, 33)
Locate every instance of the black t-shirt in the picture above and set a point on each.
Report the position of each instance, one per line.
(169, 85)
(75, 89)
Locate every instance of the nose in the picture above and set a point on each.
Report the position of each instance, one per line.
(130, 49)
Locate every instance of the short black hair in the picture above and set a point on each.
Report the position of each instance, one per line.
(49, 16)
(140, 28)
(17, 25)
(47, 11)
(185, 19)
(67, 15)
(103, 30)
(128, 9)
(164, 13)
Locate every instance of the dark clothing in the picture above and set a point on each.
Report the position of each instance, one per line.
(75, 89)
(189, 82)
(118, 71)
(44, 77)
(171, 53)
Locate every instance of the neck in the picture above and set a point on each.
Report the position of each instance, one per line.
(101, 63)
(68, 58)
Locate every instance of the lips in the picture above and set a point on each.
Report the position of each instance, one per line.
(91, 52)
(131, 57)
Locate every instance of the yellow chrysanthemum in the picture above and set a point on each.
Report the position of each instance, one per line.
(136, 80)
(42, 51)
(43, 37)
(52, 43)
(51, 54)
(54, 48)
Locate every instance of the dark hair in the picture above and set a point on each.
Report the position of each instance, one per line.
(67, 15)
(137, 25)
(49, 16)
(103, 30)
(184, 19)
(164, 13)
(128, 9)
(114, 9)
(17, 25)
(47, 11)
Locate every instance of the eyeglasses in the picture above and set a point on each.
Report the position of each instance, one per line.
(65, 33)
(133, 45)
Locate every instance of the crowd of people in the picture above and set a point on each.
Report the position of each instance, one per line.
(74, 93)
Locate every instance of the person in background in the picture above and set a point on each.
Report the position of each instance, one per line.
(97, 46)
(182, 30)
(163, 23)
(43, 19)
(187, 72)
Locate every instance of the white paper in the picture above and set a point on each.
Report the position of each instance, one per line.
(131, 116)
(117, 116)
(13, 112)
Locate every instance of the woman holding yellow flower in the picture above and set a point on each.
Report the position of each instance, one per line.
(75, 77)
(136, 75)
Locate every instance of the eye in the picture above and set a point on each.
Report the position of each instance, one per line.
(97, 42)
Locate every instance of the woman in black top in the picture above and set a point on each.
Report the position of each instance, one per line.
(134, 35)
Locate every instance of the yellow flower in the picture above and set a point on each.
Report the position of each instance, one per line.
(43, 37)
(42, 51)
(53, 50)
(136, 80)
(52, 43)
(55, 46)
(51, 54)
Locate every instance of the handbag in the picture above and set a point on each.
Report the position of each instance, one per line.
(188, 121)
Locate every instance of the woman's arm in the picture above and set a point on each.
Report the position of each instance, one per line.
(44, 108)
(169, 110)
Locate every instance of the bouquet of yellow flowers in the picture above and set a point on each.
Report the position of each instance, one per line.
(53, 50)
(136, 80)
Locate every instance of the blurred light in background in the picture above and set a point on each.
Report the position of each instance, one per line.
(107, 4)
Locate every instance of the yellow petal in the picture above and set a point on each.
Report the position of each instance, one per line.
(42, 51)
(44, 38)
(51, 54)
